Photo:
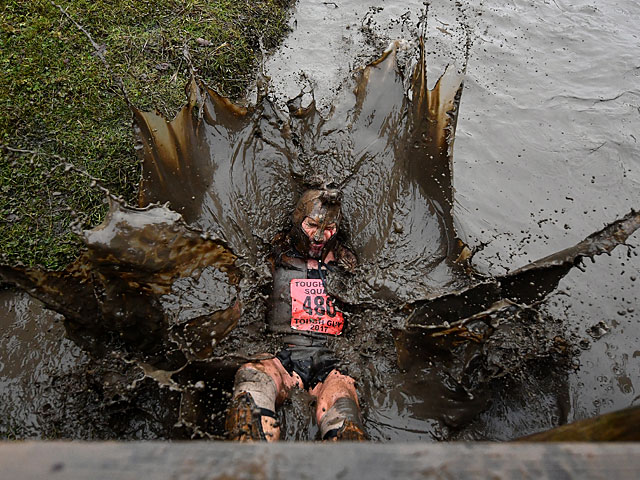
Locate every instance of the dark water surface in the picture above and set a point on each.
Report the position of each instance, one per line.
(551, 109)
(545, 154)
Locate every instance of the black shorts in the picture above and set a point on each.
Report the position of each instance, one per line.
(309, 357)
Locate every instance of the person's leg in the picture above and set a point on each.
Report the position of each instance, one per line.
(259, 387)
(338, 410)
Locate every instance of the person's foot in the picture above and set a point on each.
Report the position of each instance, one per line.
(351, 432)
(348, 432)
(244, 420)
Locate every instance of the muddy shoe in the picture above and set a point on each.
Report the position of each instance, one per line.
(243, 423)
(349, 432)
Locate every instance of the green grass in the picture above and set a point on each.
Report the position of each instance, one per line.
(58, 99)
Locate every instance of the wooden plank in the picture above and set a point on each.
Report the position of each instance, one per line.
(221, 461)
(620, 426)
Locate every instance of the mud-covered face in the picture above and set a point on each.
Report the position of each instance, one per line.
(316, 220)
(319, 234)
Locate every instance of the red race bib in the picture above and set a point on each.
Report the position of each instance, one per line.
(312, 310)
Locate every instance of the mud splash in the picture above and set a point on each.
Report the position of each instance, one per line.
(176, 294)
(235, 172)
(122, 286)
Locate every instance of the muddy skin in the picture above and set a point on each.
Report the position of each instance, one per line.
(322, 217)
(174, 296)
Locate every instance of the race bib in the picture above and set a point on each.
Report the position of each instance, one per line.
(312, 310)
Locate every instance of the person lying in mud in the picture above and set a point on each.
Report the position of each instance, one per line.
(306, 317)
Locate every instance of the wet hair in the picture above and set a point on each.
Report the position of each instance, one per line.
(288, 243)
(329, 198)
(317, 182)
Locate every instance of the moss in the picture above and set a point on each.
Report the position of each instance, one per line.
(58, 99)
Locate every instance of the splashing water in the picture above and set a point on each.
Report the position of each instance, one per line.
(177, 287)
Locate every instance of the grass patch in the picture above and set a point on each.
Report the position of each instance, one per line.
(57, 99)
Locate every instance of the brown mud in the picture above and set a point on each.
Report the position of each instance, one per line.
(170, 297)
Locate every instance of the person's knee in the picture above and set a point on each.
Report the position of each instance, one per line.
(336, 385)
(272, 368)
(337, 380)
(257, 383)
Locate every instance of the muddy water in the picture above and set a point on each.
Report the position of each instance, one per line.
(546, 151)
(525, 169)
(35, 350)
(550, 108)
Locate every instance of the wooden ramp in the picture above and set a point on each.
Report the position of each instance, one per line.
(223, 461)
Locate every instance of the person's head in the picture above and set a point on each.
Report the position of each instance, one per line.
(316, 220)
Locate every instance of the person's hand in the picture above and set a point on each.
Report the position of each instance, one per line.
(347, 260)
